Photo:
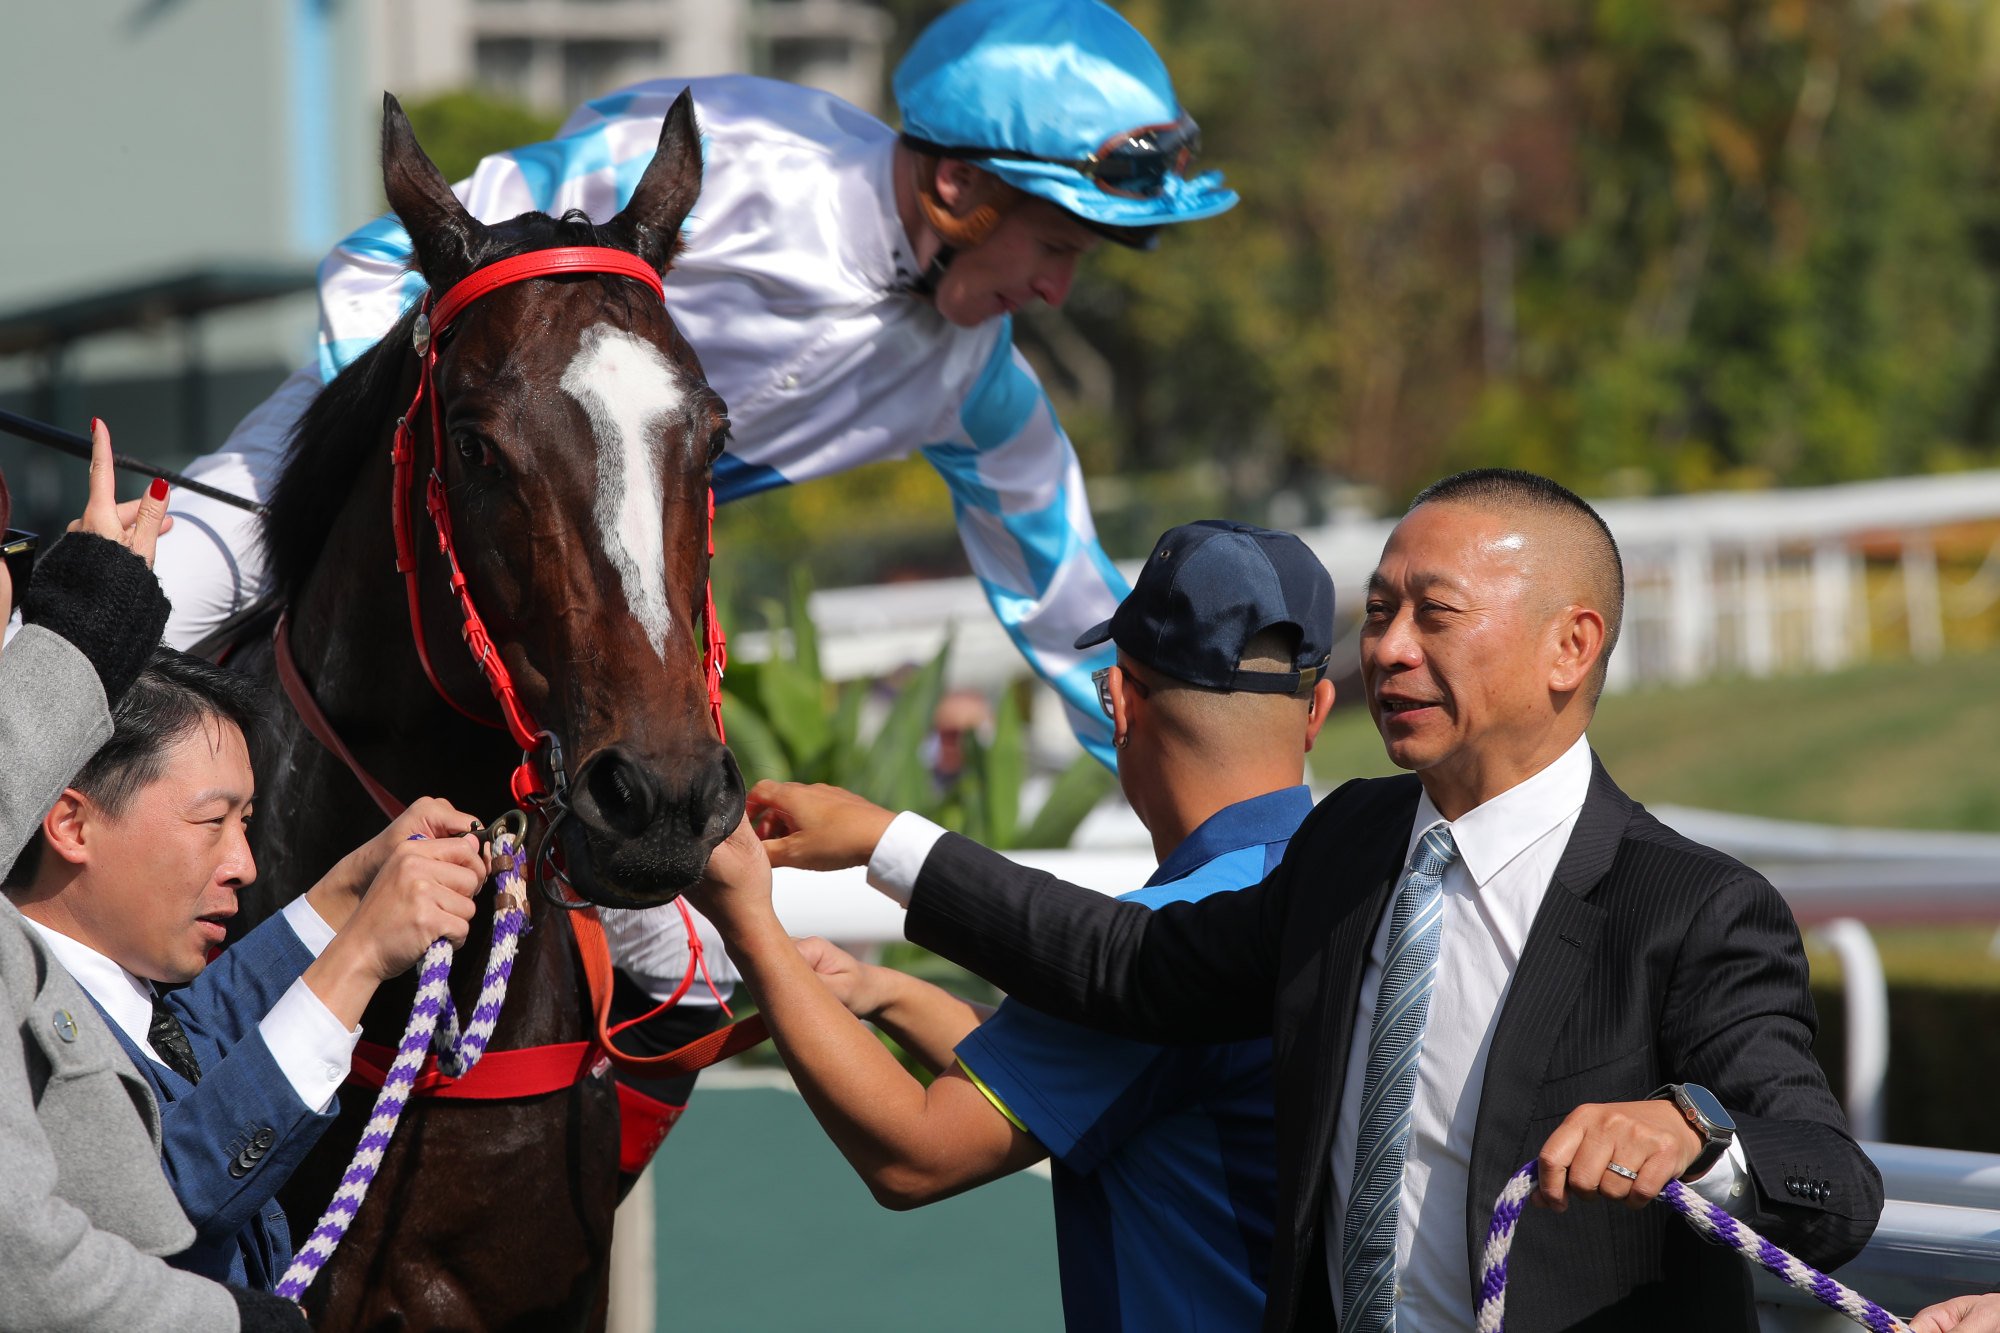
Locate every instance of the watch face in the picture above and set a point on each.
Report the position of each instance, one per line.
(1707, 1107)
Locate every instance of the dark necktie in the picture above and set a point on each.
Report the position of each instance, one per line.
(170, 1040)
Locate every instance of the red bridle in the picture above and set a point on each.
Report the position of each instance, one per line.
(432, 323)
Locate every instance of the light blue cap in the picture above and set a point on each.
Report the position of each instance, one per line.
(1051, 79)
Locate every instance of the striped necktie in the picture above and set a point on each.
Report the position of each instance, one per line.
(1395, 1044)
(170, 1042)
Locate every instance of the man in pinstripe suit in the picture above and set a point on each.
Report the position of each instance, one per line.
(1622, 1003)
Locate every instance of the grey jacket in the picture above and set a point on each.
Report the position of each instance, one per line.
(85, 1210)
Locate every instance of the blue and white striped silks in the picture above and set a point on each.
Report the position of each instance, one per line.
(789, 292)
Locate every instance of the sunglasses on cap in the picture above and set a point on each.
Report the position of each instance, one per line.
(1135, 164)
(17, 550)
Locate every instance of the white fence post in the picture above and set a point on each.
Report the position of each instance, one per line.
(632, 1281)
(1867, 1021)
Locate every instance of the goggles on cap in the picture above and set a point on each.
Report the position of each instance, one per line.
(1136, 164)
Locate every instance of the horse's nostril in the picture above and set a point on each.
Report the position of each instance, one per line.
(618, 791)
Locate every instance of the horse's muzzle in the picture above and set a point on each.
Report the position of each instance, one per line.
(638, 838)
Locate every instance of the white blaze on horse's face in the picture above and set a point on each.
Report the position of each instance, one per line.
(625, 386)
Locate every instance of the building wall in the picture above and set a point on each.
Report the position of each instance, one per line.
(553, 54)
(152, 135)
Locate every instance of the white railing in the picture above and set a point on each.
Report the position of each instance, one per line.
(1753, 582)
(1867, 997)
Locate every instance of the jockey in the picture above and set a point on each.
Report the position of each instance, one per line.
(849, 292)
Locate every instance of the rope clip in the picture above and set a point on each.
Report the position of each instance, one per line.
(513, 824)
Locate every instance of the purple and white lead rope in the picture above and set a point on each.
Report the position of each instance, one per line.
(1712, 1222)
(433, 1023)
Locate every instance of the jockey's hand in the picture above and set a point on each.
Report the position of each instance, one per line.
(136, 524)
(811, 826)
(423, 892)
(736, 887)
(1960, 1314)
(1650, 1138)
(854, 983)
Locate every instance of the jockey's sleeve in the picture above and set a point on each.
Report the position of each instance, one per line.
(1017, 493)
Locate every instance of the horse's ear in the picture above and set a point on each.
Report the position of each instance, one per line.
(651, 220)
(444, 234)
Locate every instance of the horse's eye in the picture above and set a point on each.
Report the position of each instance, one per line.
(475, 449)
(718, 439)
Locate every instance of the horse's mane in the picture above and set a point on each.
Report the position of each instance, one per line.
(344, 425)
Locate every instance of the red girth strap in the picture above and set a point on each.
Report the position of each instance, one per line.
(527, 1072)
(643, 1121)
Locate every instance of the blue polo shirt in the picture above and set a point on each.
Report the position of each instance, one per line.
(1164, 1159)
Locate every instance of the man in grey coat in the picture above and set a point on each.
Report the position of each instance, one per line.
(85, 1211)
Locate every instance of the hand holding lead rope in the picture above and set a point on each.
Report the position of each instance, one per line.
(433, 1023)
(1711, 1221)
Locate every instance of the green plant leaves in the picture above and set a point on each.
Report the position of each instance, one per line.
(788, 722)
(759, 753)
(895, 774)
(1076, 793)
(1002, 766)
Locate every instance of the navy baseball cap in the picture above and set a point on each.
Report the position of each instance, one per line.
(1209, 588)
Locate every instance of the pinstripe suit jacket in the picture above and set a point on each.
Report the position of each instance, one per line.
(1653, 959)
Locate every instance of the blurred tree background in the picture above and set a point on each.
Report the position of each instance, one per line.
(1642, 245)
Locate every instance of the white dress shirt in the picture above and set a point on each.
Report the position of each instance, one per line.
(1508, 851)
(312, 1047)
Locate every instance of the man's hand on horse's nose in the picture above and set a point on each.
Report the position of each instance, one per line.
(812, 826)
(737, 884)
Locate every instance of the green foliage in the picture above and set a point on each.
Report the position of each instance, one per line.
(458, 128)
(788, 722)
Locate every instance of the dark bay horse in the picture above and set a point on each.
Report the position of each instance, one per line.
(578, 434)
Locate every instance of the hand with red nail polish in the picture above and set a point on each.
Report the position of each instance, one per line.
(136, 524)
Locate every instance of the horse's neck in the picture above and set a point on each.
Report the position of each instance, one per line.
(354, 644)
(417, 745)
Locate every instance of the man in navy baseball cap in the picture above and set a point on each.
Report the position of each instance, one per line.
(1163, 1156)
(1226, 607)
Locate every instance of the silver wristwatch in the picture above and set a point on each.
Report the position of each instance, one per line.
(1706, 1118)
